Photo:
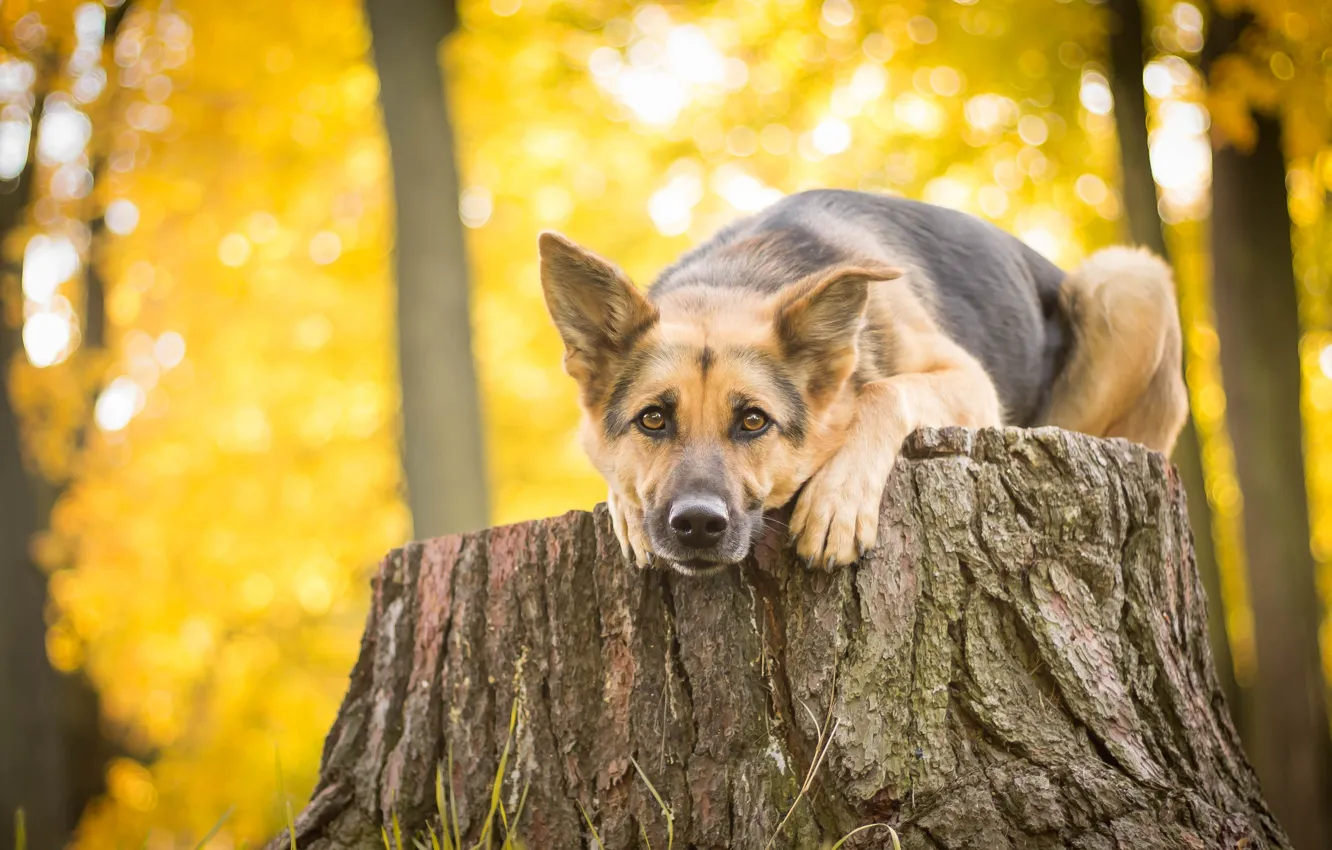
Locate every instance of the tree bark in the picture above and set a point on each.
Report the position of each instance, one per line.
(1127, 51)
(443, 454)
(1258, 322)
(1022, 662)
(1257, 318)
(32, 758)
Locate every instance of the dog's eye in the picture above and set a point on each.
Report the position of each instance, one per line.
(753, 420)
(652, 419)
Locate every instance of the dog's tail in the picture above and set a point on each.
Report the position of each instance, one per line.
(1123, 375)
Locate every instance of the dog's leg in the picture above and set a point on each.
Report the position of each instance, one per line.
(627, 520)
(836, 517)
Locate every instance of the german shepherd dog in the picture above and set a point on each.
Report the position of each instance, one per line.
(790, 355)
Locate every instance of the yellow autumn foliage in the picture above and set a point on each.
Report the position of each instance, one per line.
(220, 544)
(1280, 66)
(566, 123)
(210, 556)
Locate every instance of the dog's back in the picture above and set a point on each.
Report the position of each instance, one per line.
(993, 295)
(795, 351)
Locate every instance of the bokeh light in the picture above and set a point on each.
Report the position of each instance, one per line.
(242, 470)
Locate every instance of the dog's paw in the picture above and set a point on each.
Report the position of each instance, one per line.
(627, 520)
(836, 517)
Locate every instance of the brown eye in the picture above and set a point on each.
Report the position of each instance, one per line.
(753, 420)
(652, 419)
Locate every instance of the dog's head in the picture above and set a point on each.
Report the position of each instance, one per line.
(713, 405)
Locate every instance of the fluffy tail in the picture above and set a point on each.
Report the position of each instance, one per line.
(1123, 377)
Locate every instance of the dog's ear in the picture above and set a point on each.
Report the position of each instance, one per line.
(596, 309)
(821, 314)
(817, 321)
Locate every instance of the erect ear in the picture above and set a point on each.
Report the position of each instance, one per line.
(822, 313)
(597, 311)
(818, 320)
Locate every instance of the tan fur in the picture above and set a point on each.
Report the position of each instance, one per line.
(1124, 378)
(704, 347)
(637, 470)
(936, 383)
(721, 321)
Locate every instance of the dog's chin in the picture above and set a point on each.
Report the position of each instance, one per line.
(697, 568)
(701, 562)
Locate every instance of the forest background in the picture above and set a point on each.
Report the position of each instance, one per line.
(269, 306)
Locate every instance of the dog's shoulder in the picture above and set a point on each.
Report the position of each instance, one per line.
(811, 231)
(985, 288)
(762, 253)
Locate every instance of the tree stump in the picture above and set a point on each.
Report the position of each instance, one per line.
(1022, 662)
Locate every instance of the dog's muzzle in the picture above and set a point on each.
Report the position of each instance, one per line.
(698, 523)
(699, 534)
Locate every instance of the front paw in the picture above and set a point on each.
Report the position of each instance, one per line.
(627, 520)
(836, 517)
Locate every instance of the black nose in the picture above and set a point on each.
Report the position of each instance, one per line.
(698, 523)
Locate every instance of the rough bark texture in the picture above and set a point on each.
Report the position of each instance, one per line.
(1257, 317)
(441, 420)
(1022, 662)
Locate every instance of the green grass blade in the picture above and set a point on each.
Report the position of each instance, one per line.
(665, 809)
(496, 789)
(510, 842)
(587, 820)
(397, 832)
(217, 827)
(440, 809)
(291, 825)
(282, 792)
(453, 803)
(522, 802)
(891, 832)
(827, 730)
(383, 833)
(20, 831)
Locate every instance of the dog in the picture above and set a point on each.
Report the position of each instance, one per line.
(791, 354)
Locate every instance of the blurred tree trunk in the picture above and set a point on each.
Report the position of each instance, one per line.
(1021, 663)
(1254, 290)
(53, 752)
(1127, 61)
(442, 441)
(32, 755)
